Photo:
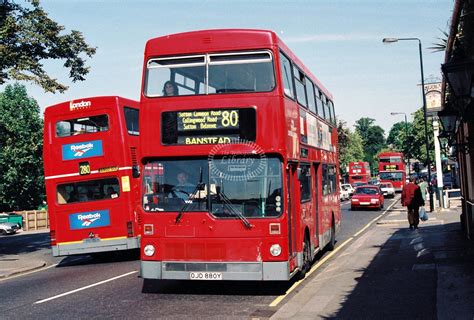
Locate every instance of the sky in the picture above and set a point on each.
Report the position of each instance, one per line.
(339, 41)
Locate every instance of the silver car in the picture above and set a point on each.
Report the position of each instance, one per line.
(387, 189)
(8, 228)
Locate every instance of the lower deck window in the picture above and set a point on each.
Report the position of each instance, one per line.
(90, 190)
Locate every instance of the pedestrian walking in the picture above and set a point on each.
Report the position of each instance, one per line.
(412, 199)
(423, 187)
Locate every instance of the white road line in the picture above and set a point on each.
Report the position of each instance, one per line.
(320, 263)
(84, 288)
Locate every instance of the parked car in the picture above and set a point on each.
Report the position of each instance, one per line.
(387, 189)
(348, 188)
(8, 228)
(343, 193)
(13, 218)
(367, 196)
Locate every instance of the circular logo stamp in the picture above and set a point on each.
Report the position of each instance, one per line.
(238, 160)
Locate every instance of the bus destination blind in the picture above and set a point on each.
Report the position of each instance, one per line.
(208, 126)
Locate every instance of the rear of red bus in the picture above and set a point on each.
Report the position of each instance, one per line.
(220, 169)
(392, 169)
(90, 159)
(359, 171)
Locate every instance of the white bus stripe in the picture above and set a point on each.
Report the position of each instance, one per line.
(66, 175)
(84, 288)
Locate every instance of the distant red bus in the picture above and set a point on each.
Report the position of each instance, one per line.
(359, 171)
(239, 149)
(392, 169)
(90, 159)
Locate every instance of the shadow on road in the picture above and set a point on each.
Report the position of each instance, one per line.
(24, 243)
(99, 258)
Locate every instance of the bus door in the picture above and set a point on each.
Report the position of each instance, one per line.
(292, 185)
(316, 180)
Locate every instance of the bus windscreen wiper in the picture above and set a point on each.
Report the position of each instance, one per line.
(226, 201)
(192, 196)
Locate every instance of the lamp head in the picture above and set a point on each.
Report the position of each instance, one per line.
(389, 40)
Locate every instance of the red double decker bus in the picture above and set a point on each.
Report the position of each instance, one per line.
(359, 171)
(92, 175)
(239, 149)
(392, 169)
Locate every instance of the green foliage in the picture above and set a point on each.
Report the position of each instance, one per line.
(373, 140)
(417, 143)
(21, 144)
(350, 146)
(28, 37)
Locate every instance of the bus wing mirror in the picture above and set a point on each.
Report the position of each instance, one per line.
(135, 171)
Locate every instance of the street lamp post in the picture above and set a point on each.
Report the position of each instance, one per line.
(428, 161)
(406, 133)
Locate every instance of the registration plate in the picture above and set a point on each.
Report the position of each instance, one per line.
(365, 203)
(205, 275)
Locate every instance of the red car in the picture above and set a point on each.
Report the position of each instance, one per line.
(367, 196)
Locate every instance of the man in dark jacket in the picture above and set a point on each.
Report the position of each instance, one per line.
(412, 199)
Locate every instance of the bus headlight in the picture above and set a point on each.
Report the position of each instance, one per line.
(149, 250)
(275, 250)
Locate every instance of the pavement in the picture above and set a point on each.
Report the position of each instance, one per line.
(18, 256)
(392, 272)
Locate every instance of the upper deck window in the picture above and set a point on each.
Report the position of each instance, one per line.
(310, 92)
(131, 118)
(319, 104)
(72, 127)
(300, 87)
(286, 76)
(210, 74)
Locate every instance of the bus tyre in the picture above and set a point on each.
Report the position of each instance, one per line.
(306, 258)
(332, 241)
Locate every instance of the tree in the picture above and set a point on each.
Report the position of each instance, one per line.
(28, 37)
(418, 145)
(393, 138)
(21, 165)
(373, 140)
(350, 146)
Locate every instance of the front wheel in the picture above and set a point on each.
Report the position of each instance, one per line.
(332, 242)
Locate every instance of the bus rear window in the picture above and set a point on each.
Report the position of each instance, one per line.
(90, 190)
(91, 124)
(131, 118)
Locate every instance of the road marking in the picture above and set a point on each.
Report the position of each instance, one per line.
(326, 258)
(30, 272)
(84, 288)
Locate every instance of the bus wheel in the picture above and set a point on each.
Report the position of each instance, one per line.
(332, 241)
(306, 258)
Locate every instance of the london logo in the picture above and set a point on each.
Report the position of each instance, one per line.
(239, 160)
(79, 105)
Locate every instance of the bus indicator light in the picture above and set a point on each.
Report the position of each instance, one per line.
(275, 228)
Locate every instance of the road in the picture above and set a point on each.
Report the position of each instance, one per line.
(109, 287)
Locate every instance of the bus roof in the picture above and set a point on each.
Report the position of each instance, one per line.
(82, 104)
(216, 40)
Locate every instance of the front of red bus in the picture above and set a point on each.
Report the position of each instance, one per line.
(212, 193)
